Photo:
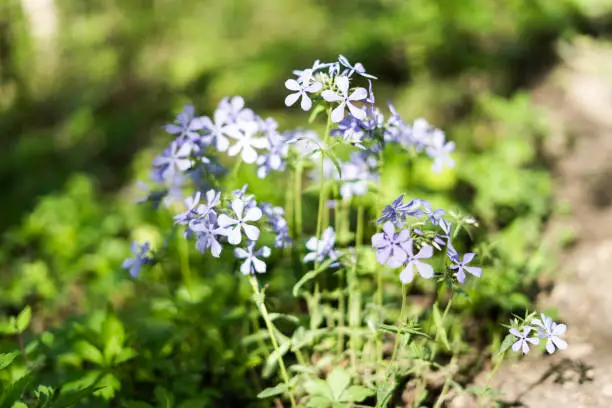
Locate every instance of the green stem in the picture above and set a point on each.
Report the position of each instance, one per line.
(497, 365)
(297, 195)
(400, 323)
(322, 189)
(446, 385)
(184, 260)
(354, 295)
(259, 300)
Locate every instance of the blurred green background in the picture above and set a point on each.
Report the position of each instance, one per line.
(86, 85)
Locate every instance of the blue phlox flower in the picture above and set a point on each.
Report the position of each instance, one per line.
(414, 262)
(307, 143)
(219, 128)
(174, 159)
(388, 245)
(434, 216)
(357, 68)
(345, 99)
(351, 130)
(274, 159)
(302, 88)
(420, 134)
(140, 258)
(551, 331)
(316, 66)
(234, 110)
(246, 142)
(187, 125)
(191, 203)
(322, 249)
(461, 267)
(523, 339)
(234, 226)
(393, 212)
(207, 231)
(278, 223)
(440, 151)
(356, 175)
(252, 262)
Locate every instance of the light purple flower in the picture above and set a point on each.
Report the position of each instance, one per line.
(207, 231)
(251, 262)
(174, 159)
(440, 151)
(551, 331)
(323, 248)
(358, 68)
(388, 245)
(523, 340)
(234, 110)
(302, 88)
(140, 258)
(192, 204)
(187, 126)
(247, 142)
(233, 226)
(345, 99)
(277, 222)
(414, 262)
(275, 158)
(461, 267)
(220, 128)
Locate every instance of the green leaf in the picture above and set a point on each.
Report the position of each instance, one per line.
(114, 337)
(23, 319)
(71, 398)
(318, 402)
(310, 275)
(89, 352)
(272, 360)
(315, 112)
(319, 388)
(507, 343)
(6, 359)
(388, 328)
(338, 381)
(273, 391)
(164, 399)
(356, 393)
(440, 330)
(384, 392)
(19, 404)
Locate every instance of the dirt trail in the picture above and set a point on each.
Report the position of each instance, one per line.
(578, 99)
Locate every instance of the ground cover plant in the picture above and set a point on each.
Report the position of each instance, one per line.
(327, 321)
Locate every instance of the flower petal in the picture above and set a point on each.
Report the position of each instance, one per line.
(252, 214)
(473, 270)
(249, 155)
(407, 274)
(559, 329)
(398, 258)
(356, 112)
(425, 270)
(425, 252)
(559, 342)
(224, 221)
(292, 98)
(358, 94)
(338, 113)
(292, 85)
(240, 253)
(330, 96)
(259, 265)
(234, 236)
(382, 255)
(251, 231)
(306, 103)
(245, 268)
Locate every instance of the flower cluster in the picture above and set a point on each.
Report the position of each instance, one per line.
(399, 245)
(140, 258)
(535, 330)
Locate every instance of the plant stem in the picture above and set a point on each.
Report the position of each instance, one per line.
(185, 268)
(298, 199)
(400, 323)
(446, 385)
(497, 365)
(259, 301)
(322, 194)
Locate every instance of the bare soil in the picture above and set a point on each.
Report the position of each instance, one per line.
(577, 98)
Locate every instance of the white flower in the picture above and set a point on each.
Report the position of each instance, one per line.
(233, 226)
(345, 99)
(551, 331)
(251, 262)
(302, 87)
(247, 142)
(523, 341)
(440, 151)
(219, 128)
